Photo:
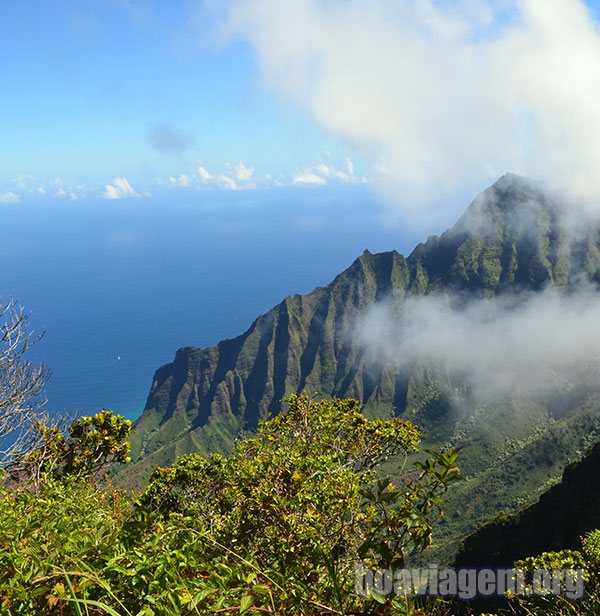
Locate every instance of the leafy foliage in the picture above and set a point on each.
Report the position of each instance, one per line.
(90, 446)
(302, 497)
(586, 560)
(66, 530)
(277, 527)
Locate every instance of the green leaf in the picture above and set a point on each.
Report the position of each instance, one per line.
(378, 596)
(246, 603)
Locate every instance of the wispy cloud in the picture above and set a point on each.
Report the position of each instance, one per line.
(59, 188)
(204, 175)
(65, 193)
(234, 178)
(224, 181)
(23, 180)
(309, 177)
(494, 346)
(230, 176)
(9, 197)
(167, 140)
(320, 173)
(243, 172)
(180, 181)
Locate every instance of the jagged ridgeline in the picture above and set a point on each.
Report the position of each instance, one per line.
(510, 238)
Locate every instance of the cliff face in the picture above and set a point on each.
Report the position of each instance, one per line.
(304, 343)
(510, 238)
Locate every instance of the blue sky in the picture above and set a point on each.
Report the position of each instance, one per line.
(124, 98)
(100, 89)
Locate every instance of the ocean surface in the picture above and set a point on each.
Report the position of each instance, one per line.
(119, 286)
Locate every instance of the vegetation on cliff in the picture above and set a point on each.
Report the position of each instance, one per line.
(277, 527)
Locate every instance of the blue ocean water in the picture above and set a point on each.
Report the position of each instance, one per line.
(118, 286)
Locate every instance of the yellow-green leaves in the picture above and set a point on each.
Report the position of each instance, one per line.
(276, 528)
(300, 500)
(90, 445)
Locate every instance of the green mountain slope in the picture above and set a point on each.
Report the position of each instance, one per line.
(510, 238)
(302, 344)
(562, 515)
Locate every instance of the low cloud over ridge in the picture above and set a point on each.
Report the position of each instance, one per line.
(527, 342)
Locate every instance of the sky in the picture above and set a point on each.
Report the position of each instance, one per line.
(121, 99)
(426, 101)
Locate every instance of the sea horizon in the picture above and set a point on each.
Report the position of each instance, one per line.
(118, 287)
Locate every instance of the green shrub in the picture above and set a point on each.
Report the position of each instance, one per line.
(89, 447)
(301, 500)
(587, 560)
(62, 534)
(275, 528)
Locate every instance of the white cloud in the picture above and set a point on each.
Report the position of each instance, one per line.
(204, 174)
(320, 173)
(22, 180)
(349, 166)
(445, 92)
(323, 170)
(9, 197)
(243, 173)
(62, 189)
(180, 181)
(67, 193)
(119, 189)
(224, 181)
(243, 176)
(308, 177)
(495, 346)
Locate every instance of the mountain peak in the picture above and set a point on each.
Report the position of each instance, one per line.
(513, 201)
(511, 179)
(513, 191)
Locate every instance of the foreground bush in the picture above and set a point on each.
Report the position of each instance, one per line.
(277, 527)
(62, 535)
(586, 560)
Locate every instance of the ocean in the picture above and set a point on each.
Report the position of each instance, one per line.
(118, 286)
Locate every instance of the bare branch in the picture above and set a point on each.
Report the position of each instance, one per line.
(21, 383)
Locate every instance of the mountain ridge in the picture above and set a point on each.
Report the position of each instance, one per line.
(509, 239)
(472, 256)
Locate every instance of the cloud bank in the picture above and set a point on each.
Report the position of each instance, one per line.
(230, 177)
(444, 93)
(528, 342)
